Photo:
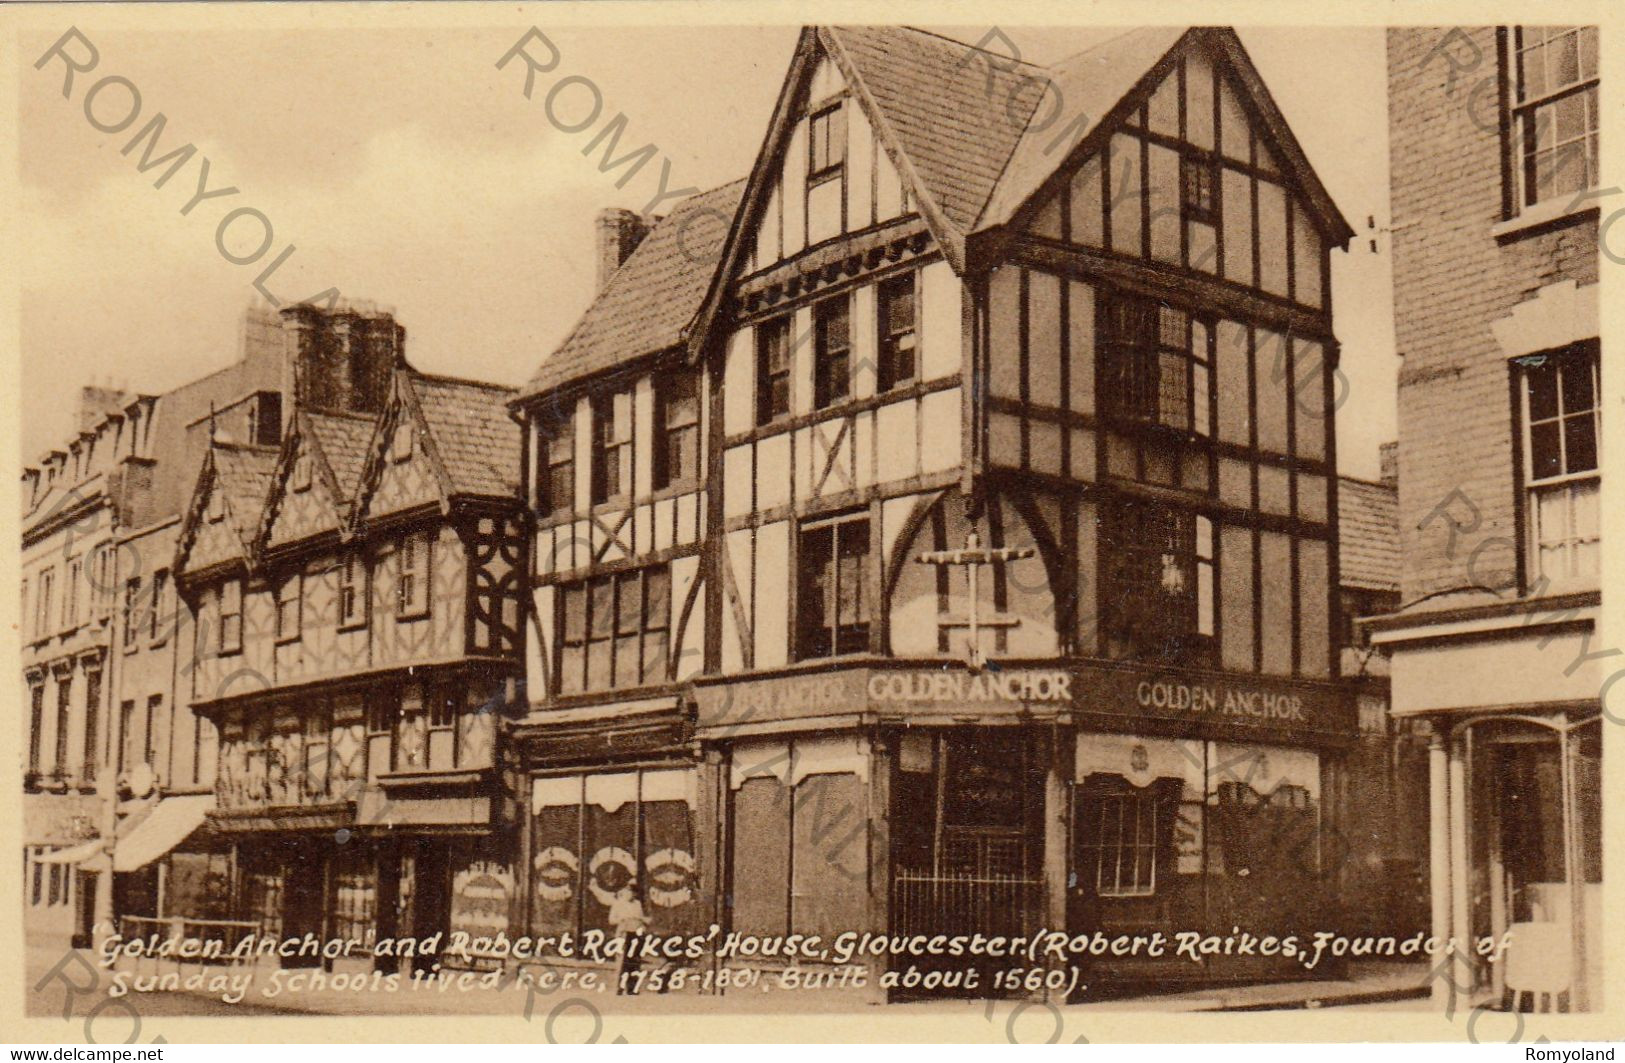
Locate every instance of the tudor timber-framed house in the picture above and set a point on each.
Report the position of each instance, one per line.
(1108, 353)
(357, 593)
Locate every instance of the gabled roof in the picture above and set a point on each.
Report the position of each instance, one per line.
(342, 439)
(1367, 535)
(477, 442)
(649, 303)
(337, 443)
(242, 475)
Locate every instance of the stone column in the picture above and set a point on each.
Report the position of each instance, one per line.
(1461, 966)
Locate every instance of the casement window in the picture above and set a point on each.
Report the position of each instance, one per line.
(773, 370)
(611, 446)
(826, 147)
(1561, 417)
(832, 351)
(231, 616)
(132, 612)
(677, 429)
(1124, 833)
(1159, 602)
(70, 593)
(412, 577)
(353, 590)
(898, 346)
(832, 596)
(615, 630)
(400, 439)
(157, 629)
(318, 727)
(289, 594)
(557, 472)
(1156, 359)
(1554, 117)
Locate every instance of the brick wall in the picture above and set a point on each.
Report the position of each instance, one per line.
(1452, 279)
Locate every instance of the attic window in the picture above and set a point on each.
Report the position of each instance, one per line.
(301, 473)
(827, 144)
(215, 511)
(400, 442)
(1198, 181)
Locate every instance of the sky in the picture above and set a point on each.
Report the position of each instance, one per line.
(405, 169)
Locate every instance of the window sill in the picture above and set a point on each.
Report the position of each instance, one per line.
(290, 640)
(354, 625)
(402, 618)
(1545, 215)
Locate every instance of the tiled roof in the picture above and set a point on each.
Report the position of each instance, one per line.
(956, 118)
(343, 440)
(243, 476)
(478, 442)
(652, 298)
(1087, 86)
(1368, 534)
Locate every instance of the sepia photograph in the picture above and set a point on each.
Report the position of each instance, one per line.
(674, 522)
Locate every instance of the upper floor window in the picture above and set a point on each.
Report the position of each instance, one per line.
(558, 468)
(1199, 189)
(132, 612)
(1158, 563)
(772, 370)
(614, 630)
(412, 577)
(156, 624)
(1554, 117)
(400, 439)
(288, 596)
(677, 429)
(611, 446)
(899, 358)
(1561, 415)
(42, 606)
(832, 351)
(70, 593)
(231, 616)
(352, 590)
(832, 595)
(1156, 359)
(826, 144)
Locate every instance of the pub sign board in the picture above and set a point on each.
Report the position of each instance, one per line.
(1109, 695)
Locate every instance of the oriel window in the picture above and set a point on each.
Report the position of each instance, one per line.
(677, 430)
(1562, 422)
(832, 595)
(832, 351)
(773, 370)
(899, 357)
(1159, 595)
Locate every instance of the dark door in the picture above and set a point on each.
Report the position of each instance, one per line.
(304, 901)
(431, 896)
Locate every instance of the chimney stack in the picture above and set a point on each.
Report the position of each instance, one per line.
(619, 232)
(1388, 455)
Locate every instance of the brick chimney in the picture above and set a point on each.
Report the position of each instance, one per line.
(342, 358)
(96, 403)
(1388, 456)
(619, 232)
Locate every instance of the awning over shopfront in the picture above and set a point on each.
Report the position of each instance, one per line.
(170, 821)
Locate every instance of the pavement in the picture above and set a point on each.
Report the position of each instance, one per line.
(69, 983)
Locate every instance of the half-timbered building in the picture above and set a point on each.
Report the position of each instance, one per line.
(1001, 595)
(357, 595)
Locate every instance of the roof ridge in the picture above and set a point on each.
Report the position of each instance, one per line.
(457, 381)
(958, 43)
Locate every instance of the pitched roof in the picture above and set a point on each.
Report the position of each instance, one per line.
(1367, 534)
(477, 441)
(1087, 85)
(343, 439)
(956, 119)
(243, 474)
(649, 302)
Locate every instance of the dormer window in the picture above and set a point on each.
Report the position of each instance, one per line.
(827, 144)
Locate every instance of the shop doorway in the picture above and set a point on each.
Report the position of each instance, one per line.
(967, 832)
